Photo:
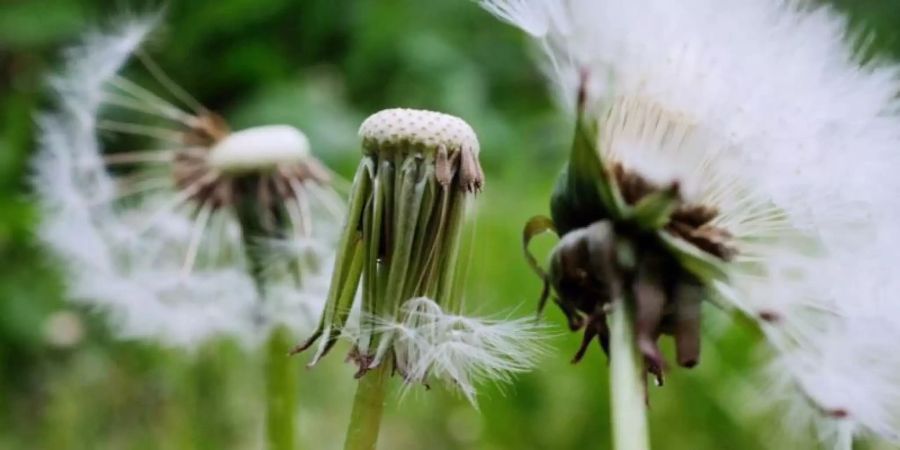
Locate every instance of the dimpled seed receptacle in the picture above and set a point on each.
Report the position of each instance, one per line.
(413, 129)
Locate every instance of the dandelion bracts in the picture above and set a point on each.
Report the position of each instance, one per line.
(196, 234)
(402, 240)
(733, 152)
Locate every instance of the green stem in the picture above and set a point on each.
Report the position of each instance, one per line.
(627, 383)
(368, 406)
(281, 392)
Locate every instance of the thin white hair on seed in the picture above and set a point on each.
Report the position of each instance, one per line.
(529, 15)
(459, 350)
(770, 114)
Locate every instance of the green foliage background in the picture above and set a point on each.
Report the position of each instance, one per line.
(324, 65)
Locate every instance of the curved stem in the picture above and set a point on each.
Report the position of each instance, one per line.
(368, 406)
(627, 382)
(281, 391)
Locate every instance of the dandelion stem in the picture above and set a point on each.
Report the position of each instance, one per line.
(368, 406)
(281, 391)
(258, 222)
(627, 385)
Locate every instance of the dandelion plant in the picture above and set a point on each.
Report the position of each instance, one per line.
(402, 240)
(733, 152)
(194, 232)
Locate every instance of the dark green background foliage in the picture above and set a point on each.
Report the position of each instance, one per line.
(324, 65)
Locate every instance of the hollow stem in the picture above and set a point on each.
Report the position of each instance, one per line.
(280, 372)
(281, 392)
(627, 382)
(368, 406)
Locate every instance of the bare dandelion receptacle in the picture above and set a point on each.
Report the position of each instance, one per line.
(401, 246)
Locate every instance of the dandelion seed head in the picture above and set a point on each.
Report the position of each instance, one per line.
(764, 112)
(150, 237)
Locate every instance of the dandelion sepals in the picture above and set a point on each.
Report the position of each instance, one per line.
(590, 167)
(412, 182)
(701, 264)
(374, 232)
(585, 191)
(347, 266)
(342, 305)
(535, 226)
(424, 252)
(448, 291)
(655, 210)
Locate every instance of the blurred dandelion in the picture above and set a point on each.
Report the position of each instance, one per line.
(403, 236)
(737, 152)
(202, 232)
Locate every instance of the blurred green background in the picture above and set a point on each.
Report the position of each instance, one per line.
(323, 65)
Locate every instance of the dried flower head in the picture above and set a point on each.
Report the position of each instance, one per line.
(402, 237)
(173, 241)
(743, 154)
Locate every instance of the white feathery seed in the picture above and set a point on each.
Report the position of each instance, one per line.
(764, 111)
(462, 351)
(133, 244)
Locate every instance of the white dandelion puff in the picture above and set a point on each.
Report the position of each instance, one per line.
(161, 238)
(763, 113)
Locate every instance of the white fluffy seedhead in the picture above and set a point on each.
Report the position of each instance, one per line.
(143, 249)
(459, 350)
(762, 110)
